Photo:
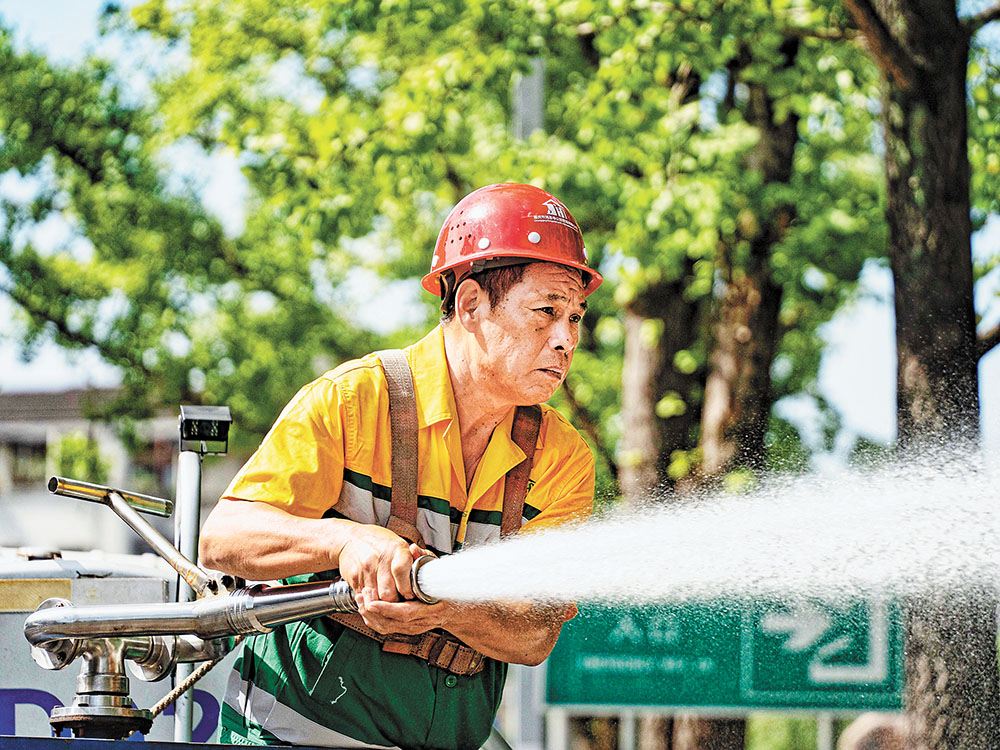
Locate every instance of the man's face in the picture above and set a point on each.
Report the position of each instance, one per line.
(527, 341)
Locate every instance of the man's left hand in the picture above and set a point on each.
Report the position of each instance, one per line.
(407, 618)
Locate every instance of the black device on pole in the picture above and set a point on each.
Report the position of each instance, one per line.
(205, 429)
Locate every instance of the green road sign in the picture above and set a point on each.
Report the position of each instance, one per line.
(796, 654)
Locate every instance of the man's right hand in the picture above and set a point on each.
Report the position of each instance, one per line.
(377, 562)
(263, 543)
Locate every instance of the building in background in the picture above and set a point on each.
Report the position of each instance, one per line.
(37, 430)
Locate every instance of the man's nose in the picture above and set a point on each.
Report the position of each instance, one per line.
(564, 336)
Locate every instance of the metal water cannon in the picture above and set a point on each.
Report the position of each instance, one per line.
(54, 627)
(154, 638)
(152, 641)
(102, 707)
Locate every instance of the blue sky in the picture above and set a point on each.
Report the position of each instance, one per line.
(857, 374)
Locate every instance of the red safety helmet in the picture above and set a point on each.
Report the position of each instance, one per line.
(504, 224)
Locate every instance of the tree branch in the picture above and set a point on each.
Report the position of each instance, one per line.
(827, 35)
(890, 56)
(974, 23)
(589, 427)
(112, 355)
(986, 341)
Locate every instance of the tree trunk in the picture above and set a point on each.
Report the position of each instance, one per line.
(738, 394)
(927, 168)
(951, 672)
(951, 658)
(952, 693)
(639, 456)
(655, 733)
(693, 733)
(657, 325)
(745, 333)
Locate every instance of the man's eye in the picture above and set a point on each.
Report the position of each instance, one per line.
(546, 310)
(574, 318)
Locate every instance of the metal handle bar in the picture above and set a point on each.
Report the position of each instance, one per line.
(154, 506)
(124, 505)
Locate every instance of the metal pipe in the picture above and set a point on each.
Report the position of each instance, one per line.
(197, 578)
(259, 608)
(97, 493)
(188, 518)
(255, 609)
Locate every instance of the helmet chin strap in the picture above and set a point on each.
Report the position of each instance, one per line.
(448, 287)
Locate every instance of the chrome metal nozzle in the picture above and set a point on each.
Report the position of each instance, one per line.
(415, 580)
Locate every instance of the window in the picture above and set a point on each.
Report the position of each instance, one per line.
(28, 463)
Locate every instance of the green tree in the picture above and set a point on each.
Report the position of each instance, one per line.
(357, 130)
(143, 273)
(77, 455)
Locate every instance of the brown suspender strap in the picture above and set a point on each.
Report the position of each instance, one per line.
(524, 433)
(403, 435)
(438, 648)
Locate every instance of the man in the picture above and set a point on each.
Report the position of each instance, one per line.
(510, 266)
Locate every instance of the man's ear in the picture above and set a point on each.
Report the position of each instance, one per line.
(470, 303)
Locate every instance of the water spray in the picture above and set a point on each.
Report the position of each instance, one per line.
(898, 530)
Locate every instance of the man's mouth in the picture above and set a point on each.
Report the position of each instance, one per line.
(552, 372)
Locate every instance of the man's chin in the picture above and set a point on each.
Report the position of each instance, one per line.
(538, 395)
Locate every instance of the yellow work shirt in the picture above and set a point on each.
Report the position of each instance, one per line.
(329, 454)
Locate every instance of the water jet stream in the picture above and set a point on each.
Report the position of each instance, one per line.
(904, 529)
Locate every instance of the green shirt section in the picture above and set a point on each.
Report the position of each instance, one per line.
(319, 675)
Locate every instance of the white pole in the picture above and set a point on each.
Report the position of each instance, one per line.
(627, 731)
(824, 731)
(556, 729)
(186, 528)
(528, 100)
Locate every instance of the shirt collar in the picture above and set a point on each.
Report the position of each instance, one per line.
(431, 381)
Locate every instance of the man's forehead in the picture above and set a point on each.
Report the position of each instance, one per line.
(553, 281)
(559, 297)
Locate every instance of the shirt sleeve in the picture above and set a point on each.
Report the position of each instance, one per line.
(299, 466)
(571, 492)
